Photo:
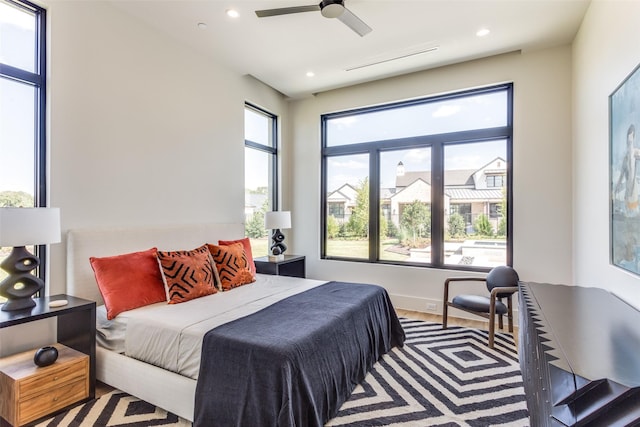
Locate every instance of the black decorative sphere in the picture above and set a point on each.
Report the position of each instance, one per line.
(45, 356)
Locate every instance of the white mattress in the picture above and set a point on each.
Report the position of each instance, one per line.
(170, 335)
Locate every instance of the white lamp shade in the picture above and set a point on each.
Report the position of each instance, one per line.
(277, 220)
(29, 226)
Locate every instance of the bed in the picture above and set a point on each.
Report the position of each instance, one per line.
(279, 351)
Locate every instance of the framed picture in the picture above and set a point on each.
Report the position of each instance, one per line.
(624, 165)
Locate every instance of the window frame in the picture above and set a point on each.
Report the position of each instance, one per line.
(269, 149)
(38, 80)
(437, 143)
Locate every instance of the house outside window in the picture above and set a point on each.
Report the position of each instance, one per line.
(22, 112)
(423, 182)
(260, 173)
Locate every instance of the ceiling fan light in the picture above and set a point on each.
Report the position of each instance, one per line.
(332, 10)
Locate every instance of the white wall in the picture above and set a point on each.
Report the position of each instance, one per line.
(143, 130)
(605, 52)
(542, 168)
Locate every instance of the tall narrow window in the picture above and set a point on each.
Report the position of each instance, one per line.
(260, 174)
(477, 233)
(22, 111)
(405, 204)
(422, 182)
(347, 220)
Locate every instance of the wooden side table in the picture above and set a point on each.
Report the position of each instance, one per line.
(34, 392)
(291, 265)
(31, 392)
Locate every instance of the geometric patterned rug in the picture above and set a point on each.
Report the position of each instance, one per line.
(115, 409)
(439, 378)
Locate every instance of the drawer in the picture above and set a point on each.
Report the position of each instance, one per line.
(54, 399)
(54, 377)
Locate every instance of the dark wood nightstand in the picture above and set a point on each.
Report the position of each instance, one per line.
(38, 392)
(291, 265)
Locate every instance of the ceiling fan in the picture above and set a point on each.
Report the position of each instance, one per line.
(328, 9)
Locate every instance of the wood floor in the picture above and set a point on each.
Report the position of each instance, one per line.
(102, 388)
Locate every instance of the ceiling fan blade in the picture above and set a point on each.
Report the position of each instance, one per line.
(356, 24)
(287, 10)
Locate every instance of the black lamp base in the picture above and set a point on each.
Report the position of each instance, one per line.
(19, 304)
(20, 286)
(277, 247)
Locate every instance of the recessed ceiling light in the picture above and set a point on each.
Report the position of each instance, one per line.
(310, 74)
(202, 25)
(483, 32)
(232, 13)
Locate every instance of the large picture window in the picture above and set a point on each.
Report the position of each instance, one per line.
(425, 182)
(260, 174)
(22, 111)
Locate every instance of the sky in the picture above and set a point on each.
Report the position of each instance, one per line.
(16, 102)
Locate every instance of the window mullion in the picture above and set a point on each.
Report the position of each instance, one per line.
(374, 205)
(437, 205)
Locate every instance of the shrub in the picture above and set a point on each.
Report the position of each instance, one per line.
(483, 226)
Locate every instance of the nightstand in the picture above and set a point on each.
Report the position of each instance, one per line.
(291, 265)
(30, 392)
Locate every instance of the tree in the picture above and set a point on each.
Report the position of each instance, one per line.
(416, 218)
(383, 226)
(333, 228)
(392, 229)
(456, 225)
(502, 224)
(16, 199)
(483, 226)
(358, 223)
(255, 226)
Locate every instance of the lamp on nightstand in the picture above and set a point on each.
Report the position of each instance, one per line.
(20, 227)
(276, 221)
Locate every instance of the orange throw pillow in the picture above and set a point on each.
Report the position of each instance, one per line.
(246, 244)
(231, 263)
(129, 281)
(188, 274)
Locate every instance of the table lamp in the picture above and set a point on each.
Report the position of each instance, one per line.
(20, 227)
(276, 221)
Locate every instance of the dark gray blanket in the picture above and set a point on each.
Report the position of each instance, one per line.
(296, 362)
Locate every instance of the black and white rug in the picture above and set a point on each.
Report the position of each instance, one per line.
(439, 378)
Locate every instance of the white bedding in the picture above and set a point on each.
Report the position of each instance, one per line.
(170, 335)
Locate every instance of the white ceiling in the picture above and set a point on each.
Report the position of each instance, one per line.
(280, 50)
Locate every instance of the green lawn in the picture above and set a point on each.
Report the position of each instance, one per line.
(360, 249)
(259, 247)
(336, 248)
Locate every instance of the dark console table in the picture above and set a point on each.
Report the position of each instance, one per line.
(579, 352)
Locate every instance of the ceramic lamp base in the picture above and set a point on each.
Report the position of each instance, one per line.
(20, 285)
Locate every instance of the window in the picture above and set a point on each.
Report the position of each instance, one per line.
(495, 181)
(423, 182)
(348, 233)
(22, 111)
(260, 174)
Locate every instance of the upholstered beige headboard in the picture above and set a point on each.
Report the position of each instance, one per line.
(85, 243)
